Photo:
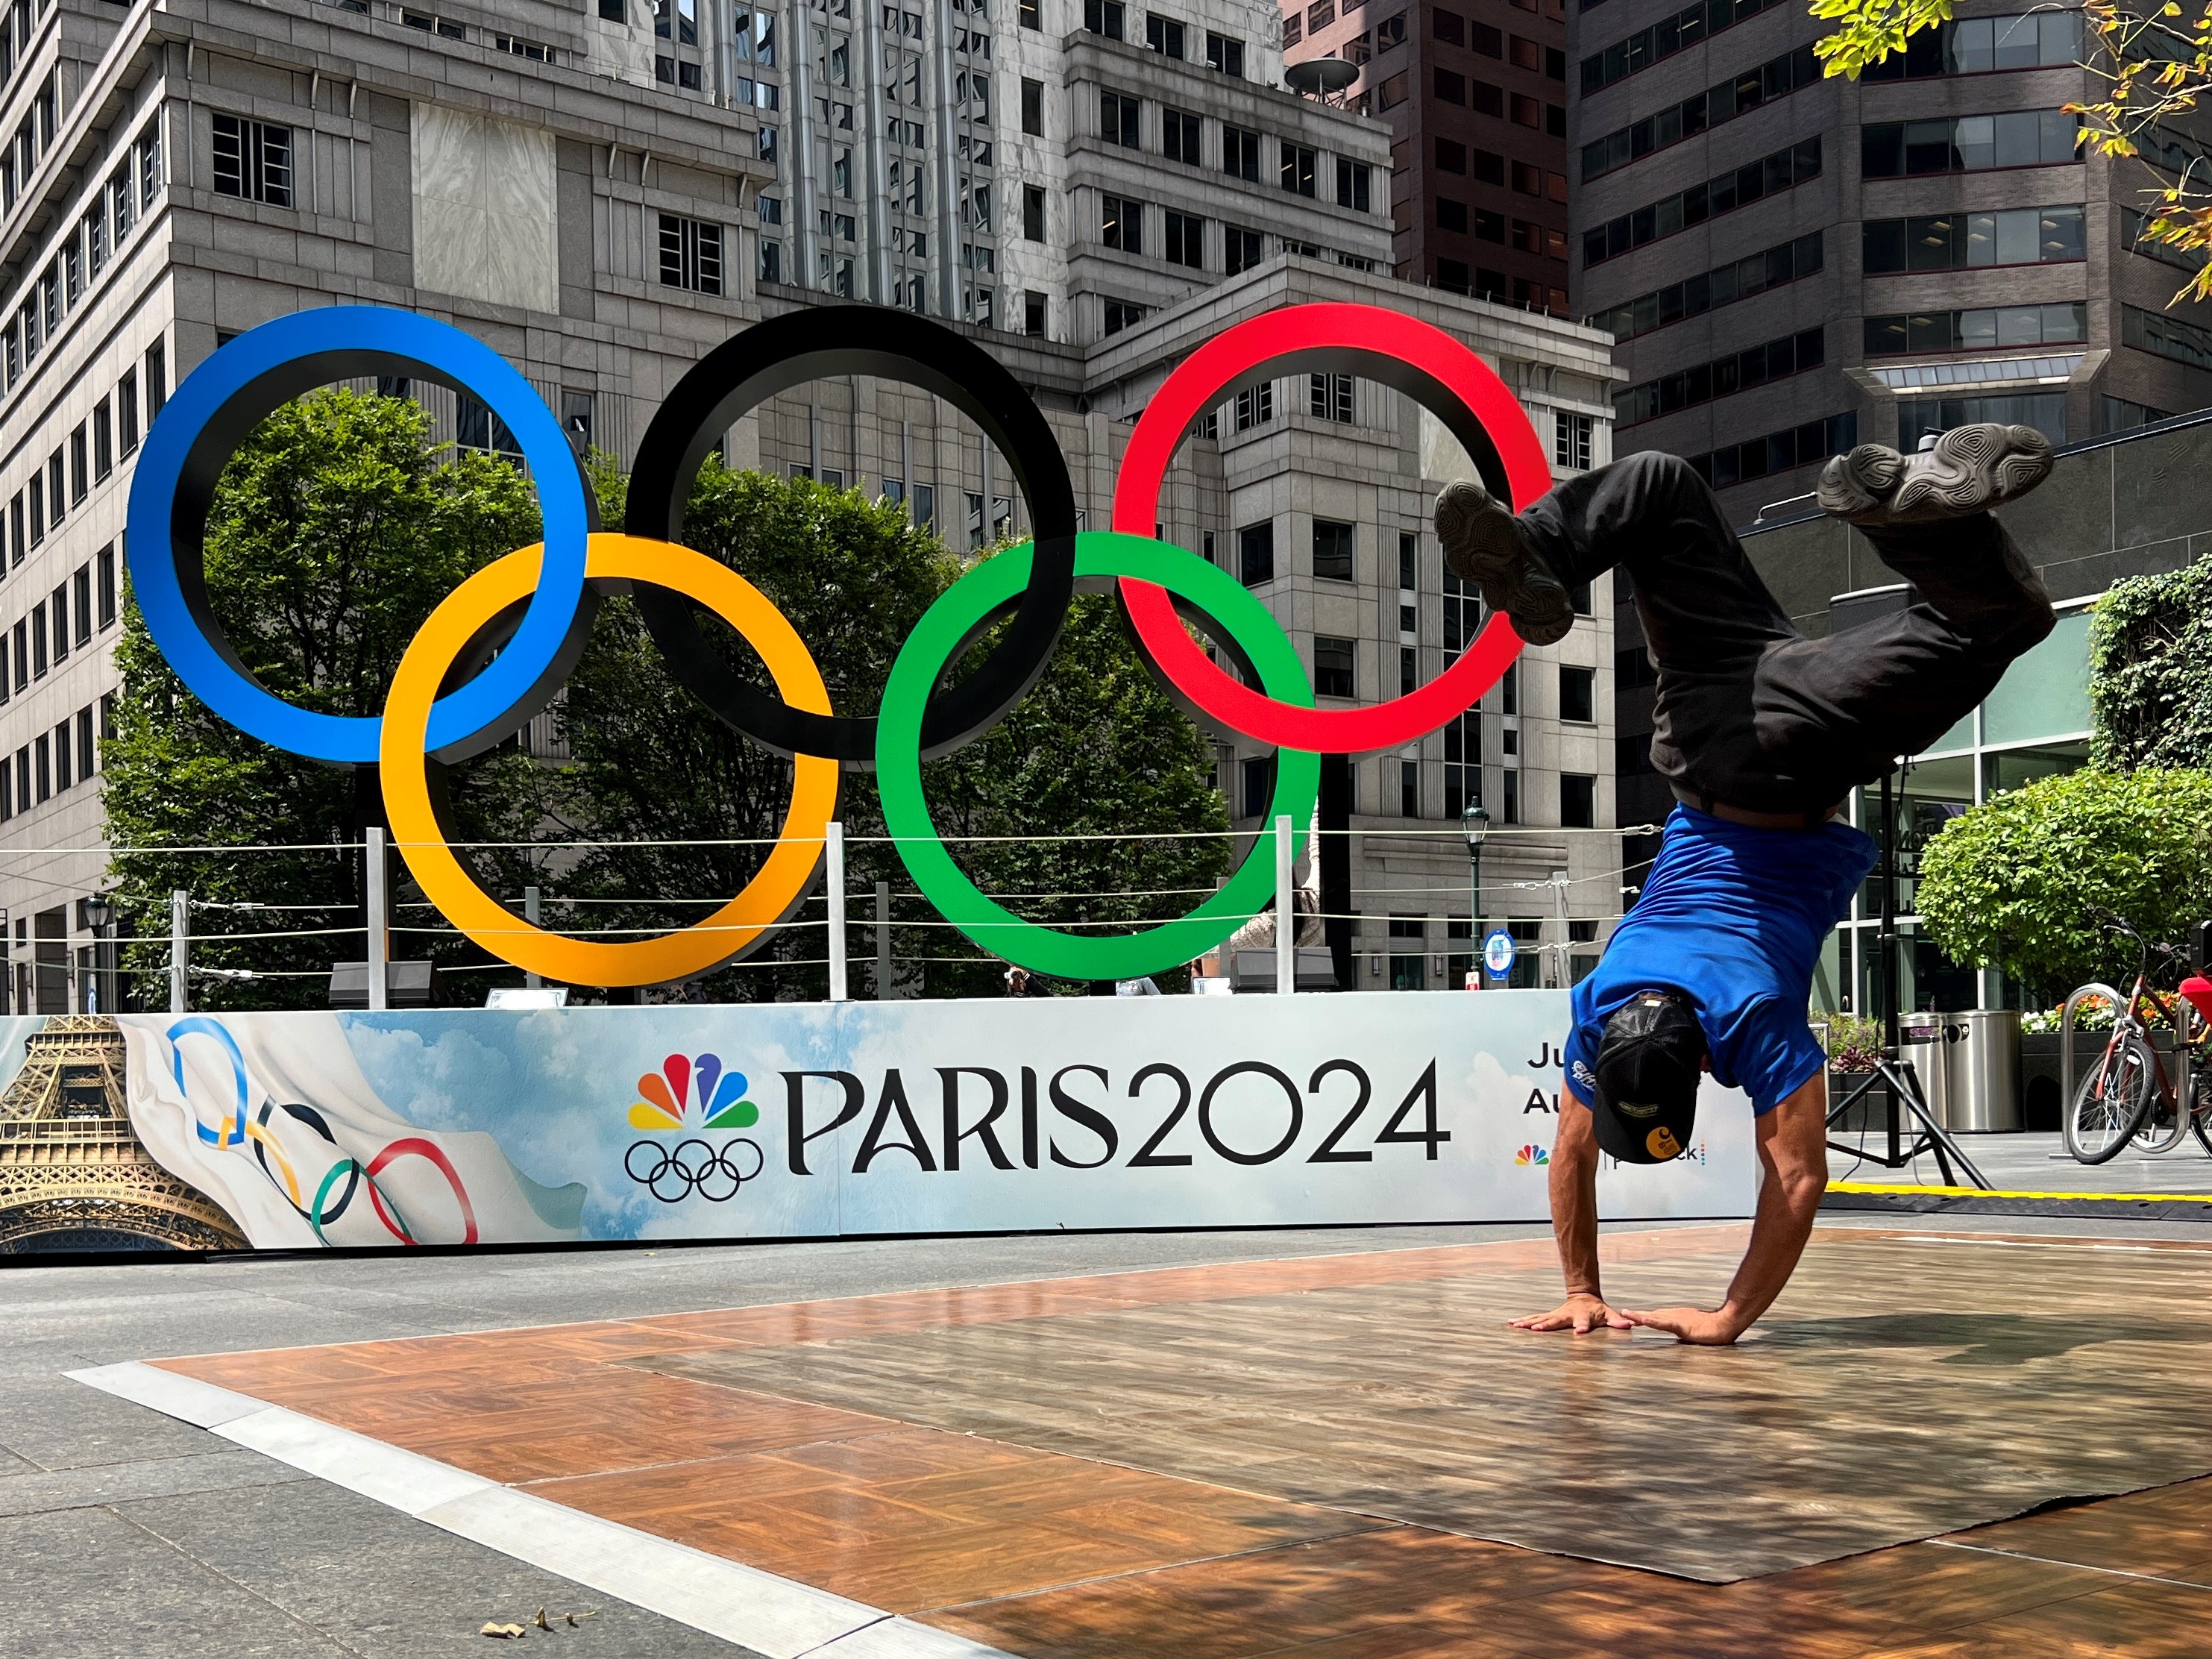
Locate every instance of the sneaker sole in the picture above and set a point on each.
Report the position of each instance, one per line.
(1971, 469)
(1482, 544)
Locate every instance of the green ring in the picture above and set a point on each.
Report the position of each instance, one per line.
(938, 637)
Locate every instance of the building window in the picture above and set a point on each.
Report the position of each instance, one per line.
(1121, 224)
(615, 11)
(1120, 314)
(104, 565)
(1967, 143)
(80, 599)
(1570, 441)
(253, 160)
(1330, 398)
(1259, 785)
(157, 379)
(1163, 36)
(149, 163)
(1986, 329)
(690, 254)
(1255, 553)
(1332, 550)
(1409, 789)
(38, 508)
(476, 425)
(1240, 249)
(1240, 153)
(1332, 675)
(1960, 241)
(57, 608)
(1185, 241)
(1577, 801)
(1179, 135)
(87, 758)
(1354, 188)
(42, 751)
(1031, 14)
(1510, 796)
(1578, 694)
(1033, 314)
(1117, 119)
(1224, 54)
(1256, 405)
(1033, 213)
(1300, 168)
(126, 409)
(103, 440)
(1033, 107)
(1106, 17)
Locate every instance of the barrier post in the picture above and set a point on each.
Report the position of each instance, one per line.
(180, 947)
(529, 915)
(373, 894)
(833, 837)
(883, 941)
(1286, 919)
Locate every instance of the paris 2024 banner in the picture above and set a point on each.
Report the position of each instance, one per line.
(486, 1126)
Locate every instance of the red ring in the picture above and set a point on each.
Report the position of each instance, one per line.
(1419, 360)
(423, 1149)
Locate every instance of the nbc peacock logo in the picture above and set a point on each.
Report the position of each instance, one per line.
(1528, 1155)
(699, 1095)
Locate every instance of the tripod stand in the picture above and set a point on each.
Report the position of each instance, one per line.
(1904, 1085)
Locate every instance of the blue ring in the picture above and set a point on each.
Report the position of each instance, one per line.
(221, 403)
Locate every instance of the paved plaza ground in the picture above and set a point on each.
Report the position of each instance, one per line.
(1239, 1444)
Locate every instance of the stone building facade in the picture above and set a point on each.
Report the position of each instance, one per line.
(586, 195)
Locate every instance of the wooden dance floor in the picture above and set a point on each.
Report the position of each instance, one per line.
(1350, 1457)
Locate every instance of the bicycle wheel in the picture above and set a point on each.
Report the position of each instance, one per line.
(2110, 1103)
(2200, 1109)
(2165, 1122)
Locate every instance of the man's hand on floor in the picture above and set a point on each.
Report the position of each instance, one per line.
(1712, 1330)
(1579, 1314)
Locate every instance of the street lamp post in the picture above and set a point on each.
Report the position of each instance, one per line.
(99, 916)
(1474, 824)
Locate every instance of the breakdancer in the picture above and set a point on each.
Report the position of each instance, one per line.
(1762, 733)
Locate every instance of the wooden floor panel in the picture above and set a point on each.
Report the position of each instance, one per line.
(1221, 1462)
(915, 1519)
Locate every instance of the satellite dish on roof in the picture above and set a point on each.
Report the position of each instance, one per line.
(1320, 75)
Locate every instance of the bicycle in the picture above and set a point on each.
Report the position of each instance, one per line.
(2127, 1096)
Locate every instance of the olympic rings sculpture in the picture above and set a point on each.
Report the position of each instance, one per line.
(535, 607)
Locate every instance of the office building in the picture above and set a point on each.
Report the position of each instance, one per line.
(1474, 95)
(1792, 265)
(600, 202)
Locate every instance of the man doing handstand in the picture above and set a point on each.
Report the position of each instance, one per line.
(1762, 734)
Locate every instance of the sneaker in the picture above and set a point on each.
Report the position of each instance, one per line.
(1486, 544)
(1969, 469)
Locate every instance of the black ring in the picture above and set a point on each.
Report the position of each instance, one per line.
(746, 370)
(669, 1165)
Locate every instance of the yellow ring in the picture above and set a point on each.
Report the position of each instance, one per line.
(767, 900)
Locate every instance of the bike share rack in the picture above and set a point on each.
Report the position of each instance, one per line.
(2066, 1039)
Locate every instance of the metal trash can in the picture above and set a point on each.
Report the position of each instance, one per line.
(1923, 1039)
(1983, 1068)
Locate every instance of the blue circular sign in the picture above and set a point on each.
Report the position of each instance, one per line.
(221, 403)
(1498, 953)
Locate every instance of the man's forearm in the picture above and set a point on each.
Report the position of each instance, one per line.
(1779, 1230)
(1574, 1198)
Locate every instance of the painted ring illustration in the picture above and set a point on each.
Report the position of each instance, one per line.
(1410, 356)
(775, 355)
(215, 410)
(703, 1172)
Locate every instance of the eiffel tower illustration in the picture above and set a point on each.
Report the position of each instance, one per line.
(73, 1175)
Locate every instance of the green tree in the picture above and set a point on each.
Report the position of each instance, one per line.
(2015, 883)
(2150, 672)
(335, 530)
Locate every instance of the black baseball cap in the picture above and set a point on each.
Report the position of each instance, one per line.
(1648, 1065)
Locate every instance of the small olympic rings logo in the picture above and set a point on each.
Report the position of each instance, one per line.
(672, 1173)
(550, 591)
